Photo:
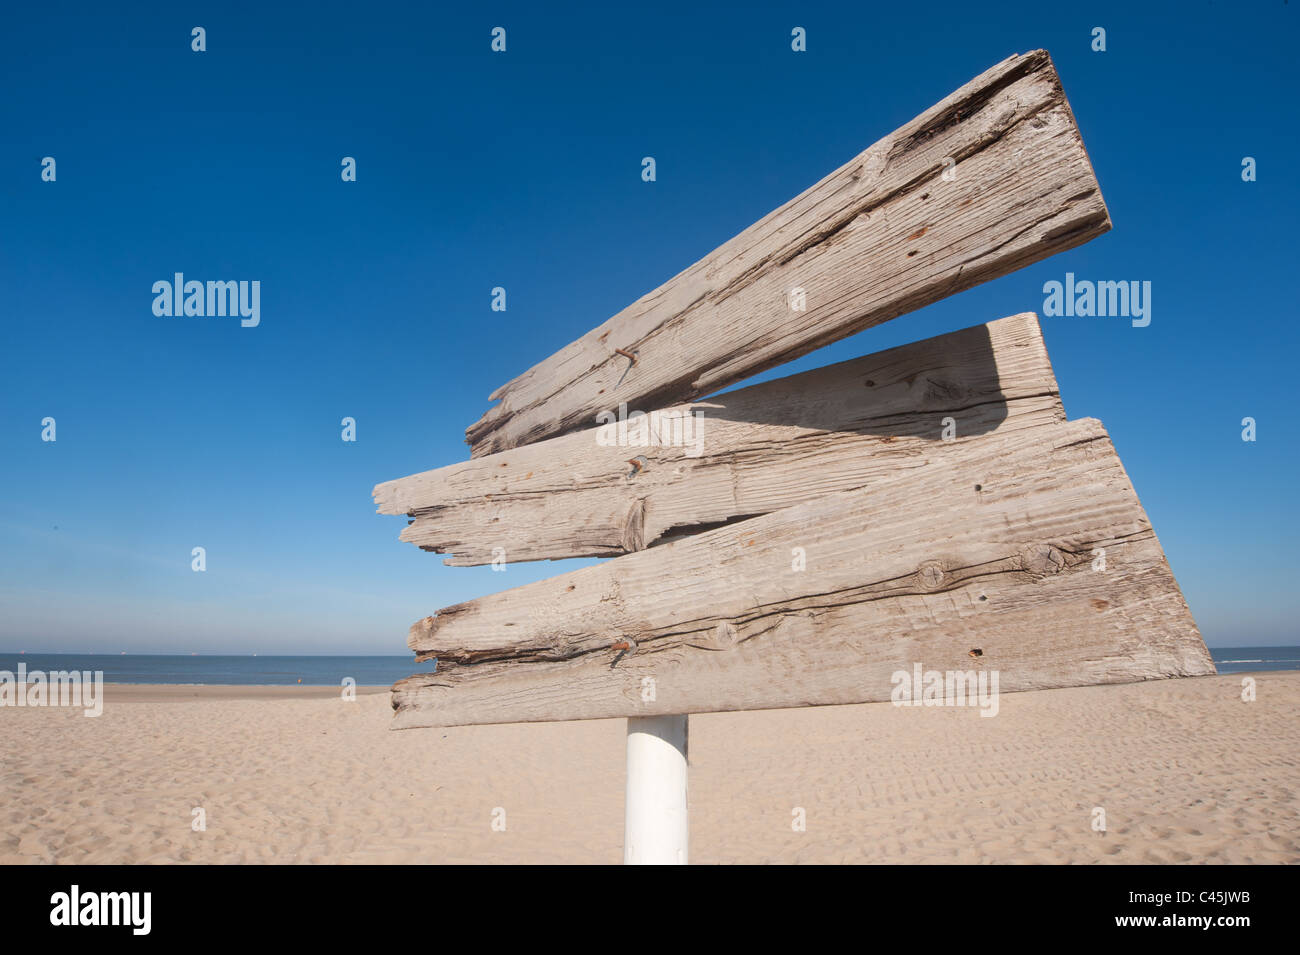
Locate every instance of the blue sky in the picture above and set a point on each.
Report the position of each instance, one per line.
(523, 170)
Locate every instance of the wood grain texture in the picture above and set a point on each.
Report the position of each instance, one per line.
(884, 234)
(760, 449)
(995, 554)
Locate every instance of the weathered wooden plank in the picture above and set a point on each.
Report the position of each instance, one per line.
(989, 564)
(886, 233)
(754, 451)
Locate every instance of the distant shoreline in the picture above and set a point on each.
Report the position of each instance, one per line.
(180, 670)
(182, 692)
(330, 673)
(181, 654)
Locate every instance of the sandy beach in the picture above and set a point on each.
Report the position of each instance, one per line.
(1184, 770)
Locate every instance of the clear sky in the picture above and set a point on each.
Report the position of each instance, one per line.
(522, 170)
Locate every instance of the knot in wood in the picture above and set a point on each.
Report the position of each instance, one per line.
(930, 575)
(725, 636)
(722, 637)
(1041, 560)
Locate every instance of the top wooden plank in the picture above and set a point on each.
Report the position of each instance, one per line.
(993, 178)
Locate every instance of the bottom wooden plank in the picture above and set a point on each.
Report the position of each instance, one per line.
(1030, 564)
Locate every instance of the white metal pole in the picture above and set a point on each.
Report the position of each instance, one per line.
(655, 828)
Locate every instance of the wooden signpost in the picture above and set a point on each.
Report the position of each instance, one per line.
(807, 540)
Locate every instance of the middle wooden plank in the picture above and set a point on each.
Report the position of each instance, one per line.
(742, 454)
